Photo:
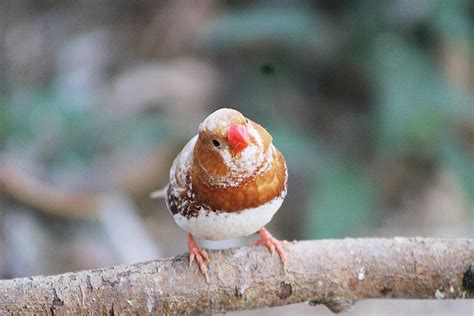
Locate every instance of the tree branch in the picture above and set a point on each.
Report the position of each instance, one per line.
(336, 273)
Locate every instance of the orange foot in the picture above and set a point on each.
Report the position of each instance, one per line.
(271, 243)
(200, 255)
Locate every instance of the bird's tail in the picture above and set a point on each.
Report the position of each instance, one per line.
(159, 194)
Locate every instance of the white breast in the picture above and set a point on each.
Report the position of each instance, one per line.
(223, 225)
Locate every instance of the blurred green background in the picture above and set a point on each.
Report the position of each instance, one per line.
(371, 103)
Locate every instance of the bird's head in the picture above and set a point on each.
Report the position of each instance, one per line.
(230, 148)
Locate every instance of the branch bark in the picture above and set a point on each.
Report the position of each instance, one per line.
(336, 273)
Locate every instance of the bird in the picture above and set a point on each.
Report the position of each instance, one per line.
(228, 181)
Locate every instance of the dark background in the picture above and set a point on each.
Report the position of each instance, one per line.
(371, 102)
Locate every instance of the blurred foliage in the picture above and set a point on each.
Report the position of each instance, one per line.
(294, 31)
(343, 202)
(72, 136)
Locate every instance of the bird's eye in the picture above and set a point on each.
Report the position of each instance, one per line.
(216, 143)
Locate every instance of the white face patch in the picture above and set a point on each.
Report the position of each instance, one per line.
(246, 164)
(222, 225)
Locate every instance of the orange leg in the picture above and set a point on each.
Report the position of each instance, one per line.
(199, 254)
(271, 243)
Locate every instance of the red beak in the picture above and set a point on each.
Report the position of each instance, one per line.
(238, 138)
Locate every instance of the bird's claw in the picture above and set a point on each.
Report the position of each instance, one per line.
(273, 244)
(200, 255)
